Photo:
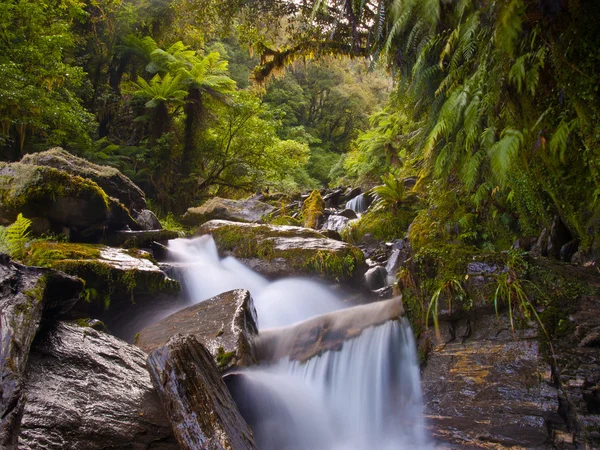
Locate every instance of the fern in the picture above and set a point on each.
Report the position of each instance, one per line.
(16, 236)
(390, 194)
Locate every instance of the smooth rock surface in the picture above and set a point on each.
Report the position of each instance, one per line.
(25, 293)
(89, 390)
(277, 251)
(225, 325)
(376, 278)
(111, 180)
(199, 405)
(224, 209)
(148, 220)
(486, 387)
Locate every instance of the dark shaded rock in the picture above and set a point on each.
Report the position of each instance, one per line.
(559, 236)
(225, 209)
(568, 250)
(225, 325)
(332, 234)
(376, 278)
(137, 239)
(488, 385)
(302, 341)
(348, 213)
(89, 390)
(351, 193)
(25, 294)
(410, 182)
(385, 293)
(333, 199)
(148, 220)
(64, 200)
(199, 405)
(277, 251)
(113, 182)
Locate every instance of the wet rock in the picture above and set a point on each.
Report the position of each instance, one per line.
(113, 182)
(488, 385)
(332, 234)
(525, 243)
(401, 251)
(302, 341)
(410, 182)
(137, 239)
(148, 220)
(64, 200)
(276, 251)
(115, 278)
(348, 213)
(199, 405)
(335, 223)
(376, 278)
(88, 390)
(225, 325)
(225, 209)
(25, 294)
(384, 293)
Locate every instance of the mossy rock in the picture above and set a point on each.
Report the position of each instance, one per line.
(111, 180)
(113, 277)
(249, 210)
(277, 251)
(312, 209)
(65, 200)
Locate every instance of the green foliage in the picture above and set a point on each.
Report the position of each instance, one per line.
(15, 237)
(382, 224)
(390, 194)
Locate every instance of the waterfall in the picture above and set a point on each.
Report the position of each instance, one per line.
(277, 304)
(359, 204)
(364, 396)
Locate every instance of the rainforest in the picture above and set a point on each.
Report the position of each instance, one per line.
(299, 224)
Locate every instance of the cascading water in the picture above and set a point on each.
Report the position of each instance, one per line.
(359, 204)
(364, 396)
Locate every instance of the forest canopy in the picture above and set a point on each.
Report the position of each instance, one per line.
(491, 106)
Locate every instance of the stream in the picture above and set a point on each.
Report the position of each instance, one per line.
(367, 395)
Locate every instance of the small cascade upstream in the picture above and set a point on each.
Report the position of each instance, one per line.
(365, 396)
(358, 204)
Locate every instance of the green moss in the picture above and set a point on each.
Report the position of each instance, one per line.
(383, 225)
(334, 265)
(223, 358)
(44, 253)
(28, 185)
(312, 210)
(285, 220)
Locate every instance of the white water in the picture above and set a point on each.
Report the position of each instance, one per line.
(278, 304)
(358, 204)
(365, 396)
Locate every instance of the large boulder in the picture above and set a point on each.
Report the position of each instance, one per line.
(250, 210)
(25, 293)
(225, 325)
(487, 384)
(66, 201)
(88, 390)
(113, 182)
(276, 251)
(201, 409)
(115, 278)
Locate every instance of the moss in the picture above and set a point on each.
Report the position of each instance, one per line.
(312, 210)
(23, 186)
(285, 220)
(334, 265)
(223, 358)
(383, 225)
(43, 253)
